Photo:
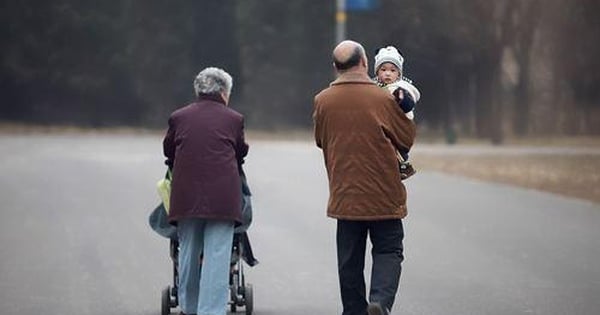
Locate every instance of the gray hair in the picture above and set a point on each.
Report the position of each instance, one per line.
(213, 81)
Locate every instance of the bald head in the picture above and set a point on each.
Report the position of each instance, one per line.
(349, 55)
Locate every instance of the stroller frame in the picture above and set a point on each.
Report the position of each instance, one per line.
(240, 292)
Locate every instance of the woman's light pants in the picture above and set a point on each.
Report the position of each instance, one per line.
(204, 258)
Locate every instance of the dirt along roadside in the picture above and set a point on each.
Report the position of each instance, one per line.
(568, 171)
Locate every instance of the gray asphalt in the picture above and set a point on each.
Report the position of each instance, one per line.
(74, 237)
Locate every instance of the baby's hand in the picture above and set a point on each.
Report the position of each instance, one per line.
(398, 94)
(404, 99)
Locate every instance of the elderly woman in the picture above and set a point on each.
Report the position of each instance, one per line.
(204, 146)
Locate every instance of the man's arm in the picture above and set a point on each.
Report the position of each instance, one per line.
(399, 129)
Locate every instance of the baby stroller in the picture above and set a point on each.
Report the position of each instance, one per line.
(240, 292)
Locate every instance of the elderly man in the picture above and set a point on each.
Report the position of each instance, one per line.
(204, 146)
(360, 128)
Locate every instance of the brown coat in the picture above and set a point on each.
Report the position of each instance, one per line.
(204, 144)
(359, 127)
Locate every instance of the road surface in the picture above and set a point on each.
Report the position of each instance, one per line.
(74, 237)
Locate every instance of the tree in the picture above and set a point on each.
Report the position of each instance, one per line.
(285, 59)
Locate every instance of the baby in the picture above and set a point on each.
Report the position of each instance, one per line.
(388, 74)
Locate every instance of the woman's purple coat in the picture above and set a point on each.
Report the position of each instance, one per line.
(204, 146)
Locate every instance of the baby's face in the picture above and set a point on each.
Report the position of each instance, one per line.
(388, 73)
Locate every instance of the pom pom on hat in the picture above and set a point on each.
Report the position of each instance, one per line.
(388, 54)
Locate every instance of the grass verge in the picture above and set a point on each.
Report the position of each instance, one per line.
(569, 175)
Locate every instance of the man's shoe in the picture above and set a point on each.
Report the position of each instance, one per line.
(375, 308)
(406, 170)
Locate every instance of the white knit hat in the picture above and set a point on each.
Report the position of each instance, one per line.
(388, 54)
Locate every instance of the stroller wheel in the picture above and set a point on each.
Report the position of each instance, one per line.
(233, 297)
(248, 296)
(165, 301)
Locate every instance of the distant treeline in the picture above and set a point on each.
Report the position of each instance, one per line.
(485, 68)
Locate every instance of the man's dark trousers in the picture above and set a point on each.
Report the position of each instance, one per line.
(386, 237)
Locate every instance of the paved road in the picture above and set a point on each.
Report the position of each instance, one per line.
(74, 237)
